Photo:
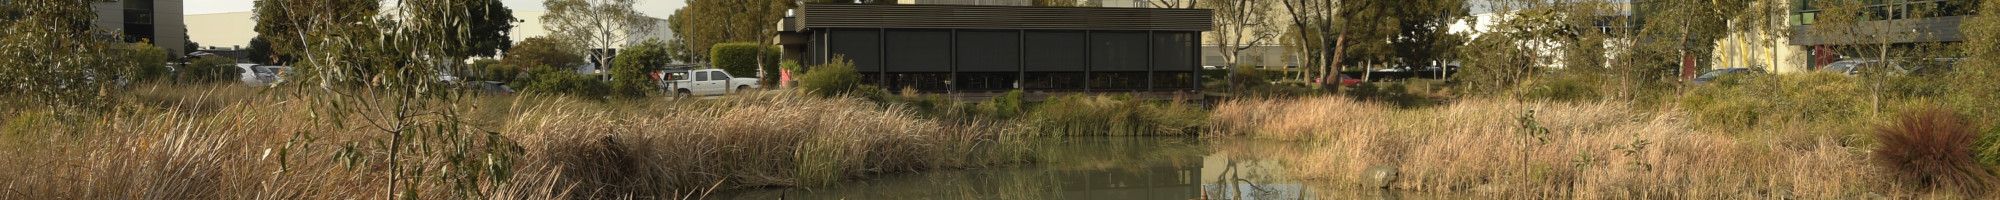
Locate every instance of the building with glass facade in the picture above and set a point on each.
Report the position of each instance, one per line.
(984, 49)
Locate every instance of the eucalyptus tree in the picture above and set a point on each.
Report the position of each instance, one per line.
(595, 24)
(1241, 25)
(366, 68)
(75, 78)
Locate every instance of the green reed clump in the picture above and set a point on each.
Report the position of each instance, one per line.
(1085, 115)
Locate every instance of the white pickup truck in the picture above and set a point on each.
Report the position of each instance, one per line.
(705, 82)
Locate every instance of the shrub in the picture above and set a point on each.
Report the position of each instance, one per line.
(741, 59)
(1005, 106)
(1080, 115)
(210, 69)
(543, 53)
(1932, 148)
(1988, 148)
(1569, 88)
(629, 70)
(148, 62)
(567, 83)
(1746, 101)
(834, 78)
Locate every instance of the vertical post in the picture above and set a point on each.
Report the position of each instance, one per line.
(1150, 39)
(1087, 44)
(883, 59)
(1021, 60)
(952, 82)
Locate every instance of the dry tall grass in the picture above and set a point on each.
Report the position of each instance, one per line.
(235, 143)
(1561, 150)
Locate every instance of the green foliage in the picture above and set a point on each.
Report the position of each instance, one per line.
(596, 24)
(210, 69)
(741, 59)
(566, 83)
(1407, 93)
(1565, 88)
(486, 23)
(1083, 115)
(836, 77)
(1987, 149)
(149, 63)
(543, 53)
(492, 70)
(1741, 102)
(1493, 64)
(629, 71)
(702, 25)
(1005, 106)
(1972, 88)
(49, 57)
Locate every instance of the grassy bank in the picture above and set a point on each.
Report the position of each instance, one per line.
(1599, 150)
(238, 143)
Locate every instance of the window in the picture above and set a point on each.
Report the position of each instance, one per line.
(987, 81)
(1053, 81)
(989, 51)
(718, 75)
(1118, 80)
(1171, 52)
(1055, 51)
(1118, 51)
(919, 51)
(926, 82)
(700, 76)
(863, 47)
(1173, 80)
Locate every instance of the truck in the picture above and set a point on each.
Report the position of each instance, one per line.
(704, 82)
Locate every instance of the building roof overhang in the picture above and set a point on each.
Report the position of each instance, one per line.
(822, 16)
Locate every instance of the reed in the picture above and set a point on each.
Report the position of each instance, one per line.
(249, 144)
(1602, 150)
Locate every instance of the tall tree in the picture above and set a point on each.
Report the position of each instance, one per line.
(281, 21)
(1241, 25)
(486, 22)
(1312, 25)
(704, 23)
(595, 24)
(48, 55)
(1423, 37)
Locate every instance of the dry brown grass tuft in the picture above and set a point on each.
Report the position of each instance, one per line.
(252, 145)
(1561, 150)
(1932, 148)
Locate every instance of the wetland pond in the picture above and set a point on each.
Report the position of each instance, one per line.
(1094, 168)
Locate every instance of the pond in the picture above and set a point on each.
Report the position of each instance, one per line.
(1092, 168)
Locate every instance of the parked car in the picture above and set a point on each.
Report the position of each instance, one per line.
(1345, 80)
(706, 82)
(1712, 75)
(252, 74)
(1858, 66)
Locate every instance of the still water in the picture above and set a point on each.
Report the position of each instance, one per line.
(1091, 168)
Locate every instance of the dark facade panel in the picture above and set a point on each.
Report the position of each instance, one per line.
(1118, 51)
(1055, 51)
(863, 47)
(1003, 17)
(989, 51)
(919, 51)
(1939, 29)
(1173, 52)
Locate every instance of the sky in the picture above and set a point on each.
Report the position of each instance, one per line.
(654, 8)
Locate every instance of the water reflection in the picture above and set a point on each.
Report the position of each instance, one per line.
(1090, 168)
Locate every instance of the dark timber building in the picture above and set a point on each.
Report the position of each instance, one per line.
(972, 49)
